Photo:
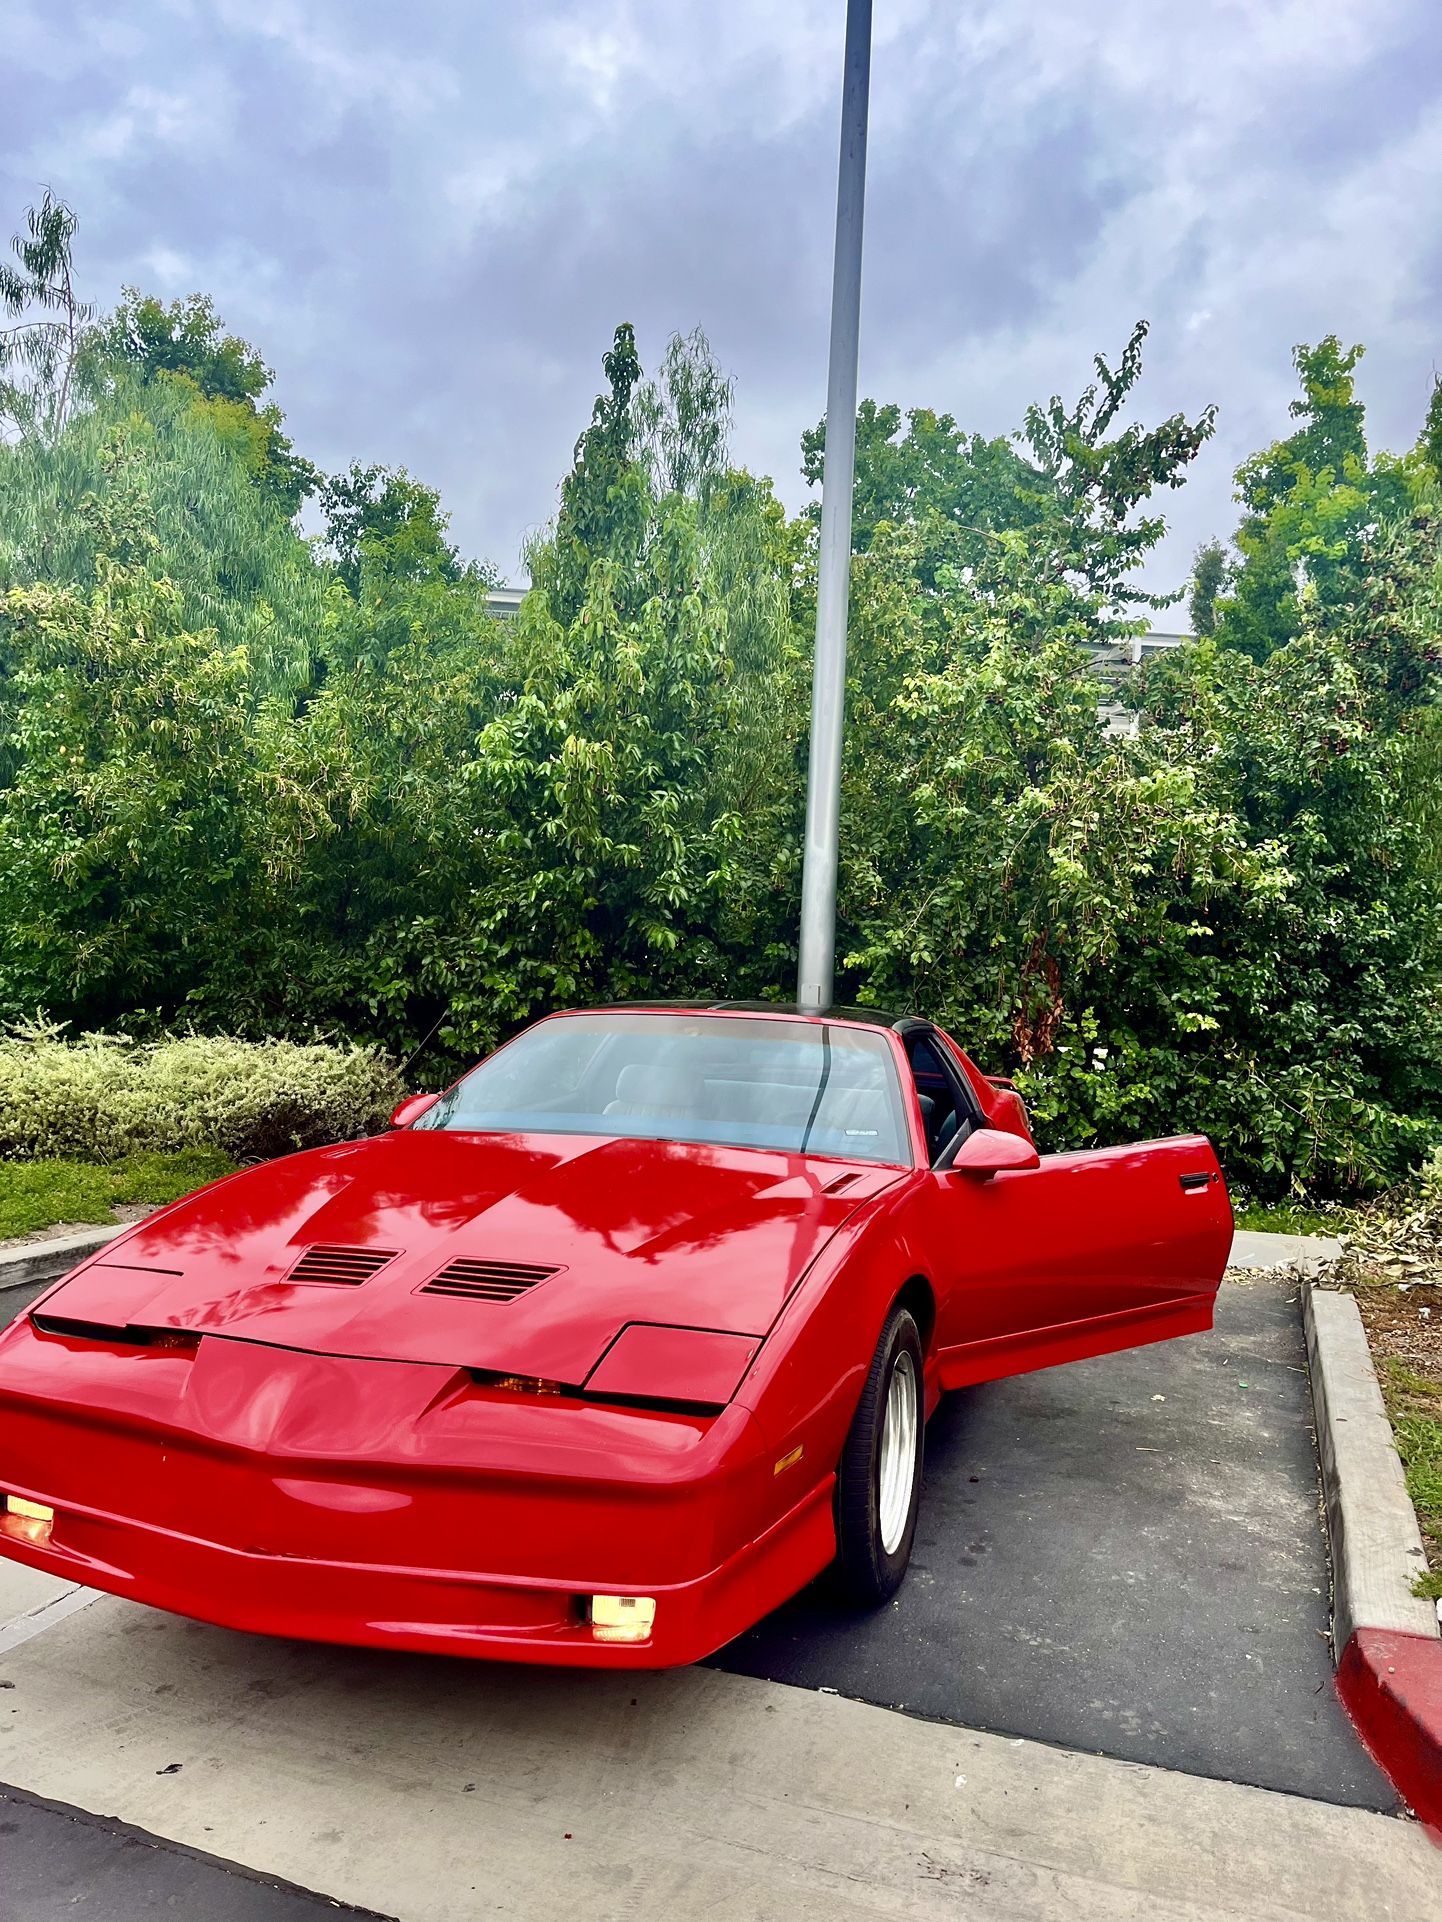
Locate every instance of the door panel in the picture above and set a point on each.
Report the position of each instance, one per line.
(1089, 1252)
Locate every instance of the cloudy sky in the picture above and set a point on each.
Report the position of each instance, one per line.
(430, 216)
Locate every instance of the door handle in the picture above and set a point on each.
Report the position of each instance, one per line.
(1196, 1181)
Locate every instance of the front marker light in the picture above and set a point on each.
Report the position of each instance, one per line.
(622, 1618)
(25, 1521)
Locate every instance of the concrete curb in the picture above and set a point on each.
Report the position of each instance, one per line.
(37, 1262)
(1384, 1639)
(1376, 1547)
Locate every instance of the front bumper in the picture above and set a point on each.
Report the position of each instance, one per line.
(442, 1611)
(395, 1504)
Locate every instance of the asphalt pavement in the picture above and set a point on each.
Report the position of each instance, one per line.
(57, 1863)
(1124, 1556)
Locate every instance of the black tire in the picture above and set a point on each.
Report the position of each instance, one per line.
(867, 1571)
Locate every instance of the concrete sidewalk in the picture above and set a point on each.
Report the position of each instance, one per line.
(1255, 1248)
(438, 1791)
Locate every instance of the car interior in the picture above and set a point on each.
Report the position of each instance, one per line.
(948, 1113)
(832, 1090)
(781, 1090)
(848, 1101)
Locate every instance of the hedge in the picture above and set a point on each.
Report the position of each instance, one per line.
(102, 1096)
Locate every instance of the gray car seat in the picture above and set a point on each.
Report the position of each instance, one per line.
(659, 1092)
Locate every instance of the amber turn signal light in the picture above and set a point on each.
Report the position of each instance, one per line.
(518, 1384)
(25, 1521)
(622, 1618)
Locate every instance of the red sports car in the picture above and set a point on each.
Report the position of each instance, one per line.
(595, 1358)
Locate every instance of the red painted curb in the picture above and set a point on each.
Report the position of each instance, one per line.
(1391, 1686)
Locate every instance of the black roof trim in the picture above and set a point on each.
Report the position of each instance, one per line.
(867, 1017)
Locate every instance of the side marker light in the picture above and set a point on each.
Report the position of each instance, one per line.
(789, 1460)
(622, 1618)
(25, 1521)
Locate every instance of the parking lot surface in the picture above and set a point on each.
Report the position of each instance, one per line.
(56, 1863)
(1125, 1556)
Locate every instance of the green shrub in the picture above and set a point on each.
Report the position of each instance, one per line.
(102, 1097)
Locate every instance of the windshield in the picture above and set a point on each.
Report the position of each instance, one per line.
(805, 1087)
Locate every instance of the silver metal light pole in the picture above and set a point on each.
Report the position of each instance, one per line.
(817, 969)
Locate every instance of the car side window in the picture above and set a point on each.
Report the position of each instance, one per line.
(948, 1111)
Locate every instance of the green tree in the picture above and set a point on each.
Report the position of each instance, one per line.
(1229, 921)
(226, 378)
(522, 813)
(1308, 502)
(604, 498)
(1096, 483)
(591, 785)
(1325, 994)
(1030, 846)
(1430, 445)
(957, 490)
(392, 849)
(144, 835)
(238, 566)
(262, 783)
(1070, 483)
(640, 780)
(683, 418)
(393, 519)
(1209, 576)
(42, 348)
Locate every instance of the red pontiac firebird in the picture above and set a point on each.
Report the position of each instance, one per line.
(595, 1358)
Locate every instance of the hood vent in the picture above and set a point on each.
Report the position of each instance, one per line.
(841, 1183)
(343, 1267)
(487, 1280)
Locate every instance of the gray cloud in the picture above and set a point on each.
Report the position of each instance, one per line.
(430, 218)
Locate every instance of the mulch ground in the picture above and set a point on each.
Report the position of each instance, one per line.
(1405, 1327)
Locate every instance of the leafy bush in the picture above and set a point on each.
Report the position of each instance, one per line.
(101, 1098)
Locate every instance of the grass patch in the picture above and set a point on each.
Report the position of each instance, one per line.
(158, 1178)
(1289, 1218)
(1414, 1403)
(39, 1194)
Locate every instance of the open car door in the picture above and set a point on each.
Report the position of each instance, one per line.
(1078, 1254)
(1083, 1254)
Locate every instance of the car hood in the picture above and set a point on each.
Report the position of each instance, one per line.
(636, 1231)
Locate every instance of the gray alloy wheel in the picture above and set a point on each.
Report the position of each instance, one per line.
(878, 1482)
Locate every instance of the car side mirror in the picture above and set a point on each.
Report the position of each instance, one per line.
(411, 1109)
(992, 1151)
